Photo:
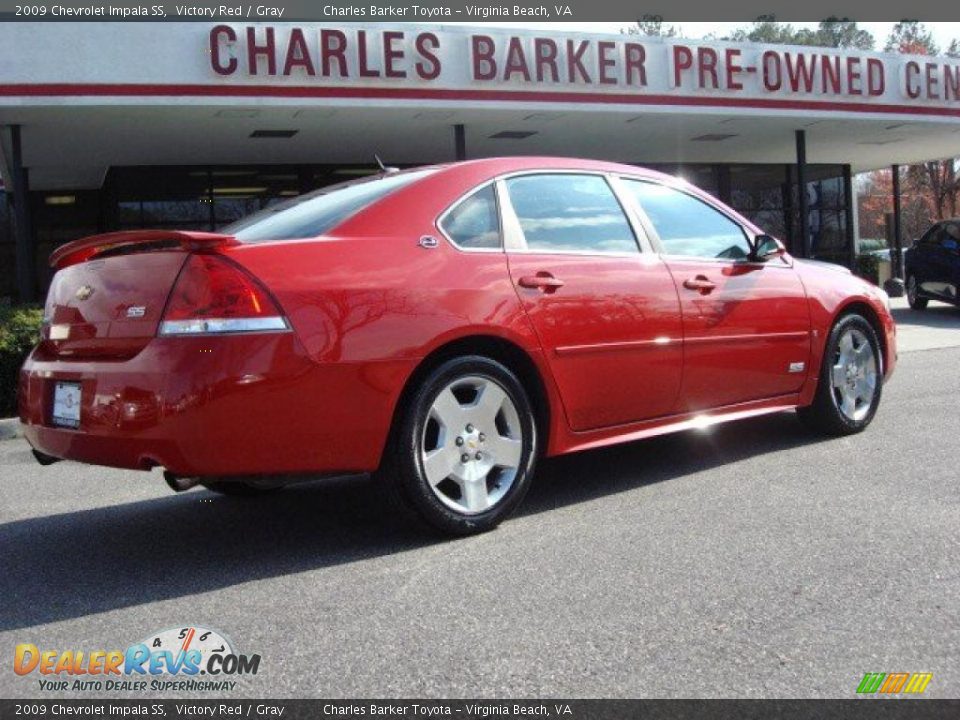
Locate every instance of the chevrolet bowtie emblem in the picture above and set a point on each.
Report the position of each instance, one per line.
(83, 292)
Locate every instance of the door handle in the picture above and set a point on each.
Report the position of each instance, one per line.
(701, 284)
(542, 281)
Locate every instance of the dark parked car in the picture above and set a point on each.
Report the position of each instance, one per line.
(933, 265)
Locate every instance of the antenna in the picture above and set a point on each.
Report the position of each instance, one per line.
(385, 169)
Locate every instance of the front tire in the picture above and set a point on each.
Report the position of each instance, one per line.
(913, 294)
(464, 449)
(851, 380)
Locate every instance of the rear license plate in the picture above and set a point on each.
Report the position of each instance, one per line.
(66, 404)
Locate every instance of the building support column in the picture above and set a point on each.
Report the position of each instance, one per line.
(460, 142)
(23, 230)
(803, 204)
(786, 192)
(850, 218)
(896, 254)
(211, 208)
(724, 184)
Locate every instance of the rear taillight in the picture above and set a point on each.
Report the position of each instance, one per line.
(212, 295)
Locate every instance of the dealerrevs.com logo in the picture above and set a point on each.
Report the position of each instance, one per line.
(190, 658)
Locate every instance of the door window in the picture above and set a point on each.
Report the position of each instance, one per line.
(570, 213)
(688, 226)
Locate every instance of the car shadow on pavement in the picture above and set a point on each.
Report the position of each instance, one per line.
(79, 563)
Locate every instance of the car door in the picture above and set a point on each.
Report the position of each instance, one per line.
(925, 261)
(607, 315)
(938, 277)
(746, 325)
(951, 246)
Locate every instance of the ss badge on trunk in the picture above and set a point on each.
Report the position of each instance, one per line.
(136, 311)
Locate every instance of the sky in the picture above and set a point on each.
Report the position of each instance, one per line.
(943, 32)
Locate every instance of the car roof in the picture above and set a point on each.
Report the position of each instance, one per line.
(426, 198)
(501, 165)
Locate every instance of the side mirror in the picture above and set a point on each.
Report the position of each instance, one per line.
(766, 247)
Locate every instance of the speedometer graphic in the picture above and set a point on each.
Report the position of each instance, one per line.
(184, 639)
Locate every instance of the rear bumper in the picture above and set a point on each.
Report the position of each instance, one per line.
(202, 406)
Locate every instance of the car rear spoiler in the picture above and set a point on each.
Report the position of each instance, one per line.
(88, 248)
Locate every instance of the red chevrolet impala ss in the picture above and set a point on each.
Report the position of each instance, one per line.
(444, 327)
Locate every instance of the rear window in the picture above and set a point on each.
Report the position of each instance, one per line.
(318, 212)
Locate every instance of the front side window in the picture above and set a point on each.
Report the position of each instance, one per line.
(686, 225)
(319, 212)
(565, 212)
(474, 222)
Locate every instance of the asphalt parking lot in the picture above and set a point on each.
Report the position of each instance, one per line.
(752, 560)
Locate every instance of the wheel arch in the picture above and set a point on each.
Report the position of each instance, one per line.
(504, 351)
(863, 308)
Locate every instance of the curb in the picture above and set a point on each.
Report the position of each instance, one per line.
(10, 428)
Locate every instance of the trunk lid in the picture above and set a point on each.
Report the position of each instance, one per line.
(108, 296)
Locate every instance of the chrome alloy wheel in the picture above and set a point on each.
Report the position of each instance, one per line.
(854, 375)
(472, 444)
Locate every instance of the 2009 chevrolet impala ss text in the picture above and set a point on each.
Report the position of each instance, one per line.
(444, 327)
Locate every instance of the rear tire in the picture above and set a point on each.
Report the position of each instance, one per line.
(851, 380)
(913, 294)
(463, 451)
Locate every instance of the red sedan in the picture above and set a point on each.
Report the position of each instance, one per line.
(444, 327)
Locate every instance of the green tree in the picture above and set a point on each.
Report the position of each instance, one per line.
(832, 32)
(765, 29)
(651, 26)
(843, 33)
(912, 38)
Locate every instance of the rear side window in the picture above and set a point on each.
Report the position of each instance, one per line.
(474, 222)
(931, 237)
(570, 213)
(319, 212)
(687, 225)
(951, 236)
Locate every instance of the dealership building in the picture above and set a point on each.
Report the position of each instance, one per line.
(112, 126)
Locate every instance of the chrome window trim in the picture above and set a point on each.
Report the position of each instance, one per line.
(456, 203)
(516, 242)
(640, 231)
(513, 239)
(724, 261)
